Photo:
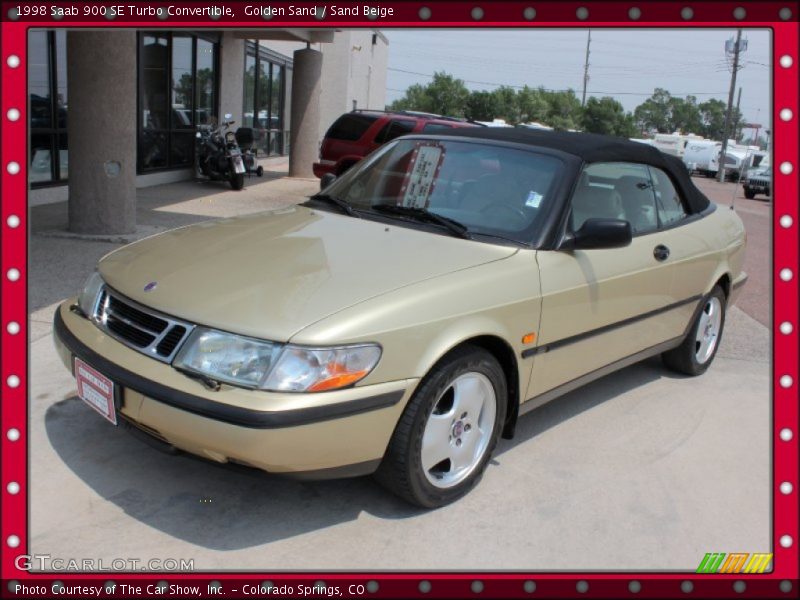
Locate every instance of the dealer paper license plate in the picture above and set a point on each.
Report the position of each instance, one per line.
(96, 390)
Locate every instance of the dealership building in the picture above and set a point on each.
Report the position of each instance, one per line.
(114, 110)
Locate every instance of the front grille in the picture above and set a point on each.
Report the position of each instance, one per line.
(139, 327)
(758, 182)
(169, 342)
(137, 318)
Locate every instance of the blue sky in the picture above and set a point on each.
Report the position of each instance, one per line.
(627, 64)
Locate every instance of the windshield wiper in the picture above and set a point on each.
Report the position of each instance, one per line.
(338, 202)
(426, 216)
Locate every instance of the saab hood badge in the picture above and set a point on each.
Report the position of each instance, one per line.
(150, 286)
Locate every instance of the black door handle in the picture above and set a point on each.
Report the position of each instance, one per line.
(661, 252)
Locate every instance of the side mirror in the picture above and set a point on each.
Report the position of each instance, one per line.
(326, 180)
(602, 233)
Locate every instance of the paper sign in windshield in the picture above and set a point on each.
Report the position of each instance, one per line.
(423, 169)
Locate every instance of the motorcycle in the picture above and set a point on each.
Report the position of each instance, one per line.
(245, 137)
(217, 155)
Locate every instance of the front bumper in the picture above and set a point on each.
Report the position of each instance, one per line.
(760, 187)
(344, 432)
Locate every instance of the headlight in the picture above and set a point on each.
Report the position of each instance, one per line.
(265, 365)
(230, 137)
(88, 296)
(302, 369)
(227, 357)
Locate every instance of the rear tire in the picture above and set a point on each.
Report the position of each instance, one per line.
(697, 351)
(237, 181)
(259, 171)
(456, 415)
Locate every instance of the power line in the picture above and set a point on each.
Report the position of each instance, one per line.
(566, 90)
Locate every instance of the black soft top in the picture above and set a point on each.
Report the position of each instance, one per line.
(592, 147)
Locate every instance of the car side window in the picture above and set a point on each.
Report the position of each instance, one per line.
(350, 127)
(615, 191)
(670, 206)
(393, 129)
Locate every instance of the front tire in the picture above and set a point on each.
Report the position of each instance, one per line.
(749, 194)
(697, 352)
(237, 181)
(448, 430)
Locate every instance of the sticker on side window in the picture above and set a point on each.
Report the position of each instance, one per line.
(421, 173)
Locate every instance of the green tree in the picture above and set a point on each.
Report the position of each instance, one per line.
(712, 114)
(482, 106)
(654, 113)
(685, 115)
(415, 98)
(532, 105)
(445, 95)
(607, 116)
(563, 109)
(507, 106)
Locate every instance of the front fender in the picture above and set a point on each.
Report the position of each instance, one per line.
(418, 324)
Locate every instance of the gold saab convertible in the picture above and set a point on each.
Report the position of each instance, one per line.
(400, 321)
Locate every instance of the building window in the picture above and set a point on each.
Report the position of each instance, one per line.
(265, 93)
(178, 77)
(47, 89)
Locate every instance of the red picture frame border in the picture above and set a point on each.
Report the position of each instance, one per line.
(782, 581)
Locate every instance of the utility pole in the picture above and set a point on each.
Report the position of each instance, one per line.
(586, 68)
(736, 50)
(736, 126)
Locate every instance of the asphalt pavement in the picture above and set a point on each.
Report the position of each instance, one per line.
(641, 470)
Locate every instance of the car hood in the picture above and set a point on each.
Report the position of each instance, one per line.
(271, 274)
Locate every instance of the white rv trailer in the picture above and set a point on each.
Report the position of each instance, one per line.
(736, 161)
(674, 143)
(702, 156)
(669, 143)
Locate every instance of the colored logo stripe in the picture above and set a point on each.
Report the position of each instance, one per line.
(737, 562)
(711, 562)
(734, 562)
(758, 563)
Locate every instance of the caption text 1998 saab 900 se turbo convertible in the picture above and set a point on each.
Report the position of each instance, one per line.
(399, 321)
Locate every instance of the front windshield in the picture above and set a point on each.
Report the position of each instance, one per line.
(491, 189)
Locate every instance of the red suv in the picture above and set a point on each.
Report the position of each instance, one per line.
(355, 134)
